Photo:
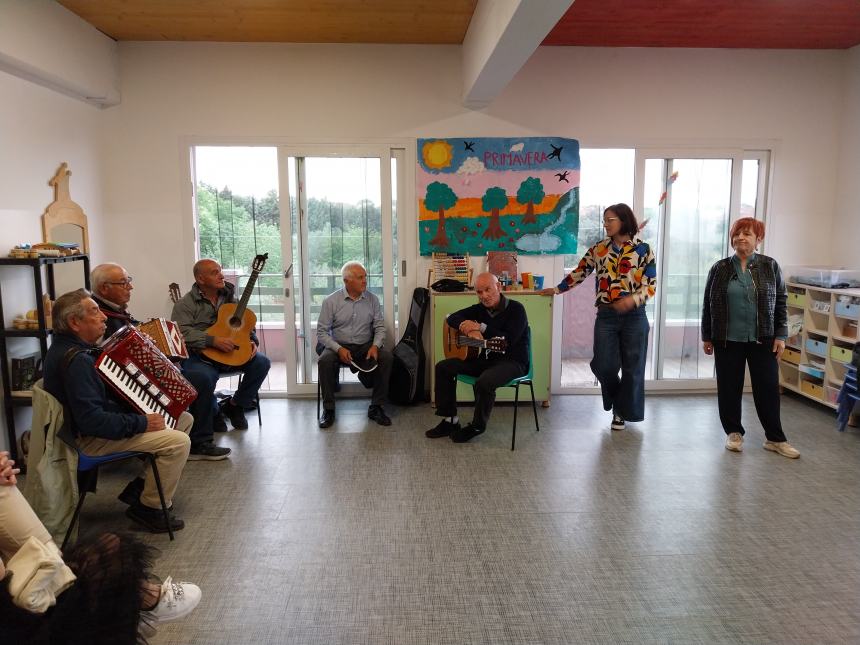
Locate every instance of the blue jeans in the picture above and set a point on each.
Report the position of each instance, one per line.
(621, 343)
(204, 376)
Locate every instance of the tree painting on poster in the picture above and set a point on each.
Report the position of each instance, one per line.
(498, 194)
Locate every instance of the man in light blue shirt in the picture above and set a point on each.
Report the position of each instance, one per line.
(351, 330)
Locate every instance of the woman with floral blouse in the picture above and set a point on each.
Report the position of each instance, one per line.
(626, 279)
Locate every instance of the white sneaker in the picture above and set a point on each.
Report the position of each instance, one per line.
(735, 442)
(783, 448)
(617, 422)
(177, 599)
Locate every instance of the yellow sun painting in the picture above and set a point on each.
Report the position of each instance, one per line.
(437, 154)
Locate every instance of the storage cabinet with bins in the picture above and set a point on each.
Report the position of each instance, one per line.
(41, 333)
(815, 360)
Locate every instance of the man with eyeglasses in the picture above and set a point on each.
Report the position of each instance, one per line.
(112, 287)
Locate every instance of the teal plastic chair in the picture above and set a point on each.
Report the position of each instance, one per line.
(525, 379)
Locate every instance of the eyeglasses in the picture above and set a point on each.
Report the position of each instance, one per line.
(609, 220)
(123, 283)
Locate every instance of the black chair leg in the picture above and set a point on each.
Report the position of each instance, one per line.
(259, 412)
(516, 405)
(77, 512)
(534, 406)
(161, 495)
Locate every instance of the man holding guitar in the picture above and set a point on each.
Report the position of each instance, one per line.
(497, 325)
(217, 346)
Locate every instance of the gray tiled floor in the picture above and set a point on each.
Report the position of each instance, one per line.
(365, 535)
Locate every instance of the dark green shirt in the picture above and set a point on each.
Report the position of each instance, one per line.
(741, 296)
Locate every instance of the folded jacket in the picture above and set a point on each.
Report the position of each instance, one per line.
(39, 575)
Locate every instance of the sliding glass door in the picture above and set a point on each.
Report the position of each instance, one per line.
(341, 208)
(312, 209)
(685, 202)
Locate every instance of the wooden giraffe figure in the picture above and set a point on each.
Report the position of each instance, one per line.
(63, 210)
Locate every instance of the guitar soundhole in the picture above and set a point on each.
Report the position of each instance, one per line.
(235, 322)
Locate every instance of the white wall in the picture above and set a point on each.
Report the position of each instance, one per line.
(791, 100)
(39, 129)
(799, 102)
(846, 214)
(42, 41)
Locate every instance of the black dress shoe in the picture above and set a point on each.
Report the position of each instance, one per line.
(153, 518)
(131, 493)
(466, 433)
(376, 413)
(326, 418)
(219, 423)
(444, 429)
(235, 413)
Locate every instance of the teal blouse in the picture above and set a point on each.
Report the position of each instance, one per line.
(741, 298)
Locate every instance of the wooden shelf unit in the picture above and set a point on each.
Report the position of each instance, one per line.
(34, 265)
(828, 336)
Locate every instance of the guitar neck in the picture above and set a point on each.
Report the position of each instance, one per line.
(471, 342)
(246, 294)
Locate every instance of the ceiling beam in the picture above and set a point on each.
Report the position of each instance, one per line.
(502, 35)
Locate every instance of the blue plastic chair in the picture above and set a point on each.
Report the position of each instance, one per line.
(526, 379)
(88, 470)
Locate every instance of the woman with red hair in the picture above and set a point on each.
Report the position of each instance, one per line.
(744, 322)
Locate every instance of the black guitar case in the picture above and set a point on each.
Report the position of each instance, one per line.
(407, 371)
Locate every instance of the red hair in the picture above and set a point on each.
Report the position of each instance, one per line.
(747, 224)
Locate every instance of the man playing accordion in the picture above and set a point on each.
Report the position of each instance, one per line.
(101, 420)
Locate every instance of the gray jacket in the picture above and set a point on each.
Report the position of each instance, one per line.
(52, 481)
(771, 299)
(195, 314)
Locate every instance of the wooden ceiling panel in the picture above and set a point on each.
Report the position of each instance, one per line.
(748, 24)
(294, 21)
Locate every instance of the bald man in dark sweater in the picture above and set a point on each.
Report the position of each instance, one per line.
(492, 317)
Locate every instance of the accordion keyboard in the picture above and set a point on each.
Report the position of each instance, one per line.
(134, 384)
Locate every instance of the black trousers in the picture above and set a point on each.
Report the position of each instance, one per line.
(329, 363)
(491, 375)
(764, 376)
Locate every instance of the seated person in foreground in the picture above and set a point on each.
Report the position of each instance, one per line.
(101, 591)
(112, 289)
(195, 313)
(493, 316)
(101, 420)
(351, 329)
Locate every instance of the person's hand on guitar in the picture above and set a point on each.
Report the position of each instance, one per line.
(373, 353)
(154, 423)
(344, 355)
(224, 344)
(470, 328)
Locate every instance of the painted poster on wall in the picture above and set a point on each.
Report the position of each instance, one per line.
(498, 194)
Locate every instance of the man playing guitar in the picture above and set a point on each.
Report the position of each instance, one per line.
(195, 313)
(495, 318)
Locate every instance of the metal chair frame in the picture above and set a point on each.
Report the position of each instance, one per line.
(525, 379)
(88, 469)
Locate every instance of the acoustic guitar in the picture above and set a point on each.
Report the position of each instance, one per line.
(456, 345)
(236, 321)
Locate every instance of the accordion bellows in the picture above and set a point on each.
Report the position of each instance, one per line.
(166, 336)
(144, 376)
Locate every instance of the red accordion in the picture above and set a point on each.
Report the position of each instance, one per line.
(132, 364)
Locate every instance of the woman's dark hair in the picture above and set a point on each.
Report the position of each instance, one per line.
(102, 607)
(629, 225)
